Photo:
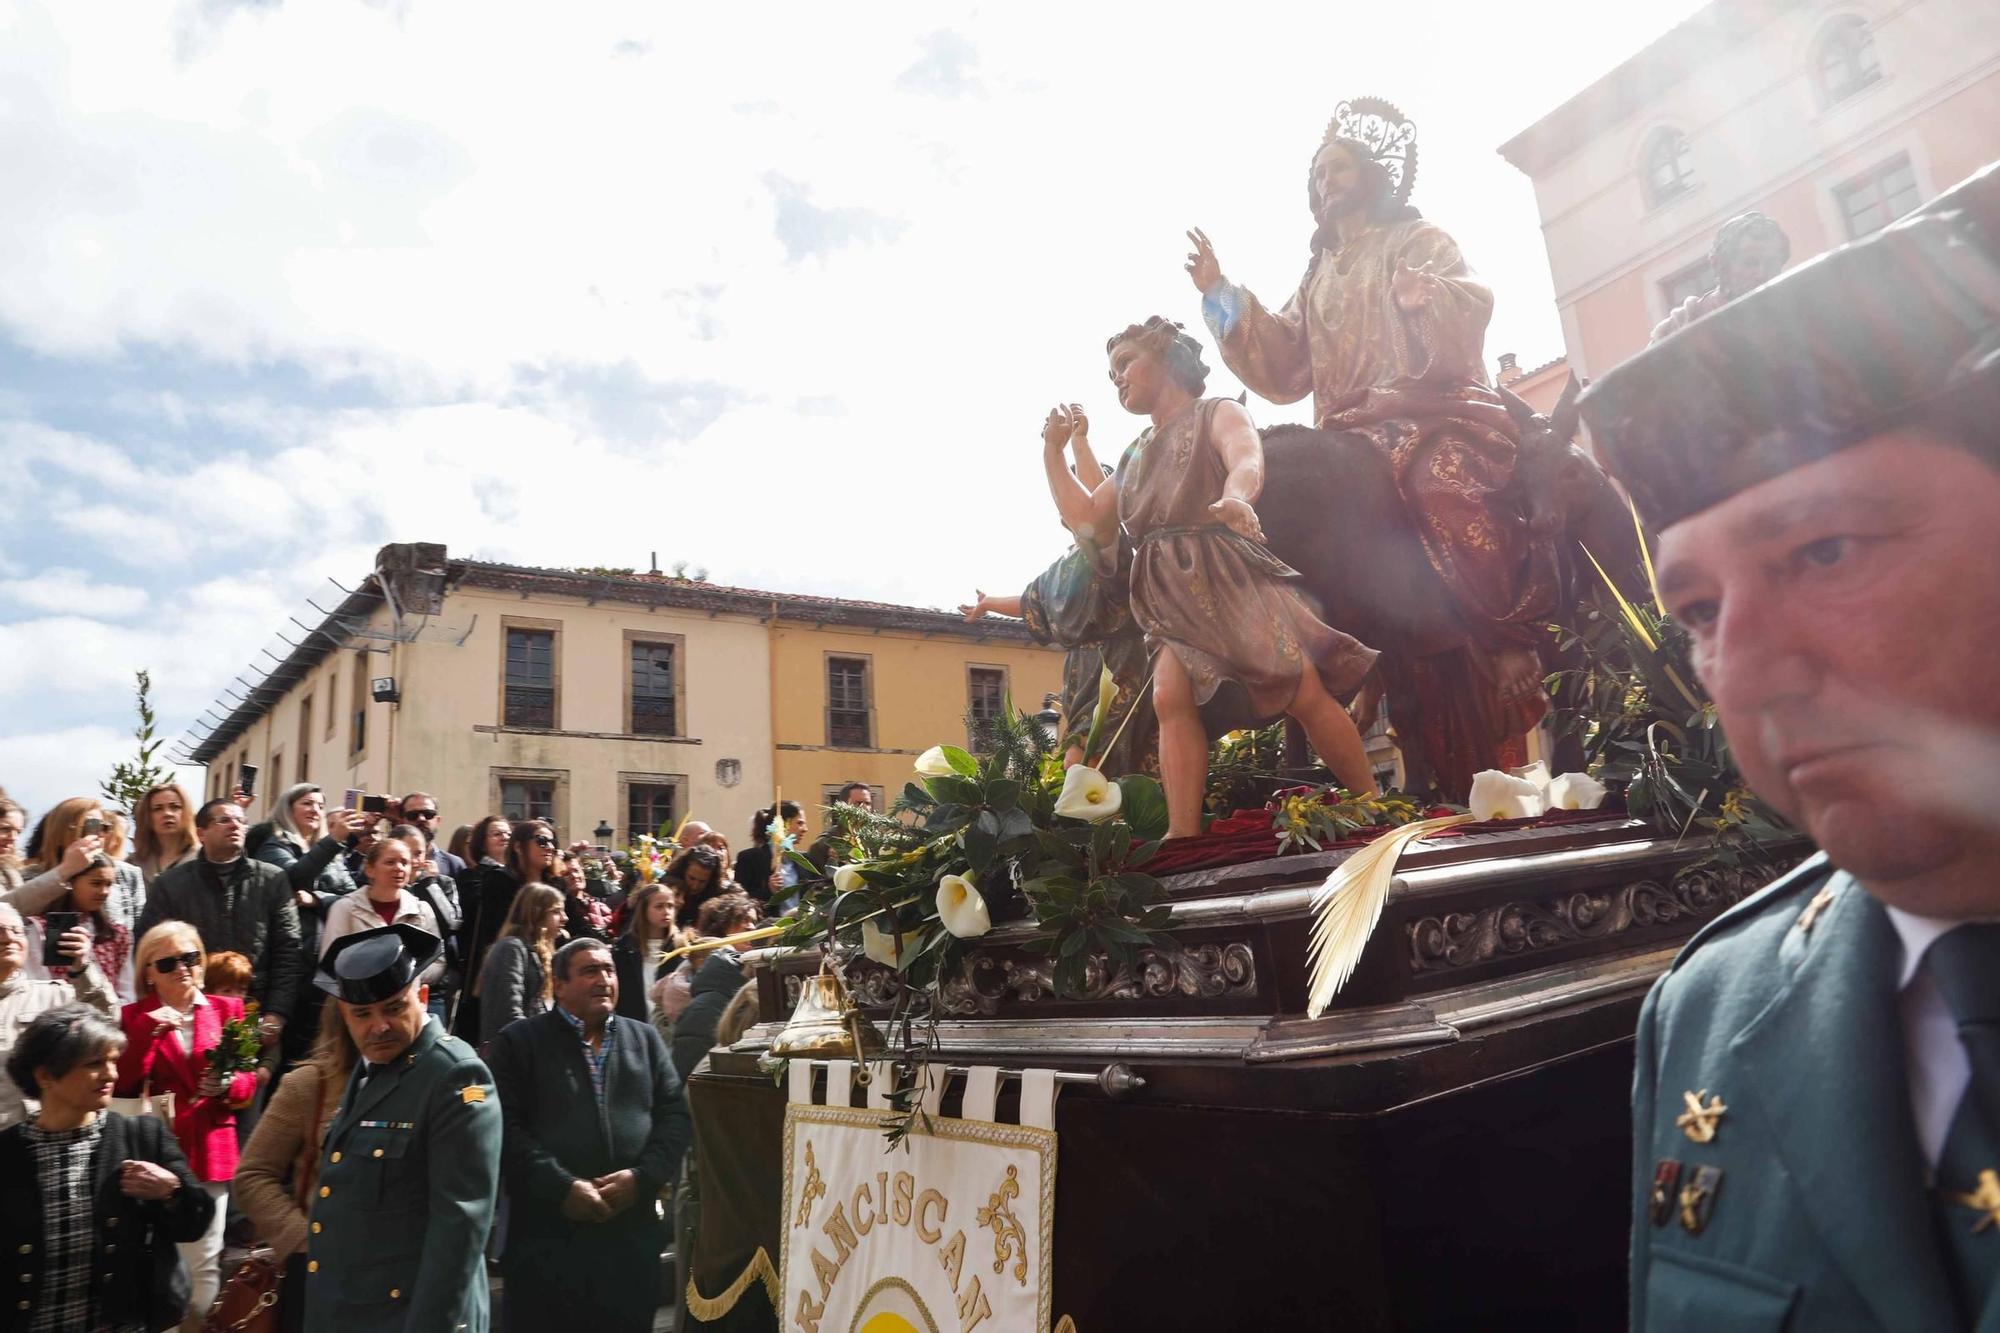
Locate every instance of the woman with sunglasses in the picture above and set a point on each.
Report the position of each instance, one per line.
(169, 1032)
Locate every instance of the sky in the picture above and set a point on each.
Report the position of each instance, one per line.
(782, 291)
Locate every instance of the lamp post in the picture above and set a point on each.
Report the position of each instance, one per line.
(1050, 717)
(603, 832)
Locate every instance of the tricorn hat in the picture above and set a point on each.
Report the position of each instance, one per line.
(1900, 328)
(370, 966)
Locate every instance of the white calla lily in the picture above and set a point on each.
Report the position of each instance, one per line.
(846, 879)
(1497, 795)
(1088, 794)
(879, 945)
(961, 910)
(932, 763)
(1576, 791)
(1537, 773)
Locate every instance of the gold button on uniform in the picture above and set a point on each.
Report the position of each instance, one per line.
(395, 1293)
(23, 1305)
(325, 1190)
(27, 1249)
(378, 1152)
(312, 1265)
(336, 1155)
(315, 1228)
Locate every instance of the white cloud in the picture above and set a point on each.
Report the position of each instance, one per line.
(73, 590)
(633, 277)
(41, 768)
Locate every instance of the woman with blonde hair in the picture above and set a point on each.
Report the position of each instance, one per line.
(64, 841)
(516, 981)
(162, 830)
(169, 1034)
(280, 1164)
(650, 931)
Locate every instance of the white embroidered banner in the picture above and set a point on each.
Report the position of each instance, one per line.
(952, 1233)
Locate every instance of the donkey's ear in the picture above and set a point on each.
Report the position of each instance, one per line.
(1562, 421)
(1517, 406)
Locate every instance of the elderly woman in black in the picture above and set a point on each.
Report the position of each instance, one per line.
(91, 1202)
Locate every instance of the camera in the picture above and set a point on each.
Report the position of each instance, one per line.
(374, 805)
(93, 825)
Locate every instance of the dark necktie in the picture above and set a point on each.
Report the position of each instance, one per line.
(1964, 964)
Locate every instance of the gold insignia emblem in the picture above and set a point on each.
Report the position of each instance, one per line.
(1698, 1121)
(1985, 1200)
(1820, 902)
(472, 1093)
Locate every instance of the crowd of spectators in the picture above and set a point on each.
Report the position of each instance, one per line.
(164, 1006)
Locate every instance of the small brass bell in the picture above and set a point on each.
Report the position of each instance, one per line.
(827, 1025)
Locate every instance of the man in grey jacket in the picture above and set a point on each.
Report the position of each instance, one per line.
(236, 904)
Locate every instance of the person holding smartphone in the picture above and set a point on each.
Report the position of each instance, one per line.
(64, 841)
(23, 997)
(308, 841)
(76, 931)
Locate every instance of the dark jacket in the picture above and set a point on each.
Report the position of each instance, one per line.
(440, 894)
(408, 1171)
(585, 1274)
(138, 1272)
(319, 872)
(635, 978)
(753, 871)
(554, 1132)
(485, 892)
(451, 867)
(712, 989)
(245, 907)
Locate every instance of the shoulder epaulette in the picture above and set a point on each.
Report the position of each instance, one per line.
(1808, 874)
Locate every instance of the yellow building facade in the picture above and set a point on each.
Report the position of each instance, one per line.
(610, 704)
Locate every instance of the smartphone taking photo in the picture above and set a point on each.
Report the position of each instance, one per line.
(248, 782)
(58, 924)
(352, 800)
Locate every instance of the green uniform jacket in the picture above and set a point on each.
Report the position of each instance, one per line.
(406, 1181)
(1821, 1217)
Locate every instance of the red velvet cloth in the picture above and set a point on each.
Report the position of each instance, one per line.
(1247, 836)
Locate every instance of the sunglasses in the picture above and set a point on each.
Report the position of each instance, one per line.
(543, 840)
(174, 962)
(420, 814)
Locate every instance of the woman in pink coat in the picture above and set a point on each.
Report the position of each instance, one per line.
(169, 1031)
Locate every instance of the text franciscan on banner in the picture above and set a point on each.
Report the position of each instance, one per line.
(953, 1234)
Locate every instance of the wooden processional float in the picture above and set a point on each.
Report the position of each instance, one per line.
(1447, 1146)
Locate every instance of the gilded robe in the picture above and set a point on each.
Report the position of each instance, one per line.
(1415, 382)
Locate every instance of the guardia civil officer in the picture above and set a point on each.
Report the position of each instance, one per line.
(411, 1157)
(1817, 1102)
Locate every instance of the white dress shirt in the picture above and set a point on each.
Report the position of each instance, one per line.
(1940, 1071)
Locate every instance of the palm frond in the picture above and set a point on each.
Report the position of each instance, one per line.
(1349, 904)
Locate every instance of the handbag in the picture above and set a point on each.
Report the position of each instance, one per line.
(160, 1107)
(250, 1300)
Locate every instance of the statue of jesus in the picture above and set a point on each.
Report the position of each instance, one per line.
(1386, 332)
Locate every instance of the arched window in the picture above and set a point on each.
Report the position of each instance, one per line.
(1666, 166)
(1845, 58)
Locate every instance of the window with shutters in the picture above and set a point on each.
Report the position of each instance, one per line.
(849, 707)
(1667, 171)
(650, 807)
(1877, 197)
(1846, 59)
(653, 688)
(528, 690)
(528, 798)
(985, 698)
